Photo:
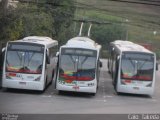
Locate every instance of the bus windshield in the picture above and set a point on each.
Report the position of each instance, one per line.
(77, 64)
(24, 61)
(136, 66)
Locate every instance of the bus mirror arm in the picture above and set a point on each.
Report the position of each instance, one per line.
(157, 66)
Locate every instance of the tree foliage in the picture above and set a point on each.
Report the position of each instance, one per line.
(42, 18)
(52, 18)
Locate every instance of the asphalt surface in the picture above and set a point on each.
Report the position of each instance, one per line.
(106, 101)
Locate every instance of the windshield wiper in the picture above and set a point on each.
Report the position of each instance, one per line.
(25, 68)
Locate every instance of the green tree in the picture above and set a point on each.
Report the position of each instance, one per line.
(42, 18)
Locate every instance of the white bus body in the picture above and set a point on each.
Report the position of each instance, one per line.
(79, 66)
(29, 63)
(132, 68)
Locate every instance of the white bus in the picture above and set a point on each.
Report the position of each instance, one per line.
(1, 65)
(132, 68)
(79, 62)
(29, 63)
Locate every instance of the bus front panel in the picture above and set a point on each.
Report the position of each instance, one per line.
(137, 73)
(23, 63)
(77, 68)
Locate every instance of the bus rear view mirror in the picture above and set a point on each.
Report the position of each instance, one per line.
(157, 66)
(3, 50)
(118, 57)
(57, 54)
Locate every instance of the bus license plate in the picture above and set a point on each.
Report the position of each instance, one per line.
(76, 87)
(136, 88)
(81, 82)
(139, 82)
(22, 83)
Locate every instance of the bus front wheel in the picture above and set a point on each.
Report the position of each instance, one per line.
(92, 94)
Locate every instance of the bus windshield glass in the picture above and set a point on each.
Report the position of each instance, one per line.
(77, 64)
(136, 66)
(28, 60)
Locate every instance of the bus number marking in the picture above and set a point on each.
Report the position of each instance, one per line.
(22, 83)
(136, 88)
(76, 87)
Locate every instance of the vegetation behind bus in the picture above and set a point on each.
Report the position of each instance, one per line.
(56, 19)
(41, 18)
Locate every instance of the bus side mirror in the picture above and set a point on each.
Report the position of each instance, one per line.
(57, 54)
(3, 53)
(157, 66)
(3, 50)
(118, 57)
(100, 64)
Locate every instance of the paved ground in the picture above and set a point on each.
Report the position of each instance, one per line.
(105, 101)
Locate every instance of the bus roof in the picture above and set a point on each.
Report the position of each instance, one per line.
(82, 42)
(46, 41)
(129, 46)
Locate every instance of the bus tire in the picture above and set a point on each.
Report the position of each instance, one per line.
(51, 82)
(60, 92)
(92, 94)
(97, 86)
(52, 76)
(45, 85)
(118, 93)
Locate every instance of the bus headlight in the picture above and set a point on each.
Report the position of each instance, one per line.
(149, 85)
(61, 82)
(125, 82)
(90, 84)
(37, 79)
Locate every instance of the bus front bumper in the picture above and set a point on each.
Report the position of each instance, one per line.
(28, 85)
(135, 90)
(90, 89)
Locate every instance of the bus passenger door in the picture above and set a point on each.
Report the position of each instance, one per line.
(47, 69)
